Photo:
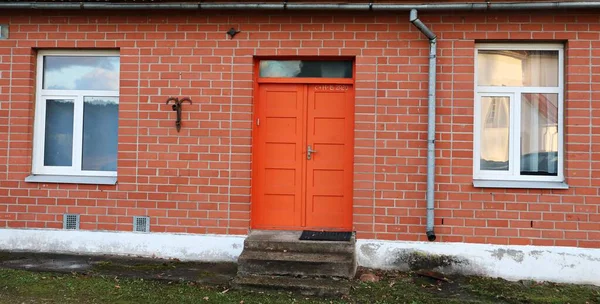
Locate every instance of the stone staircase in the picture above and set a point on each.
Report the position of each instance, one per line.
(279, 260)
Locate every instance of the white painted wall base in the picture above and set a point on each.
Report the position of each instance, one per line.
(556, 264)
(186, 247)
(538, 263)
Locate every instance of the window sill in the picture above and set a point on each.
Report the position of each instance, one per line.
(67, 179)
(478, 183)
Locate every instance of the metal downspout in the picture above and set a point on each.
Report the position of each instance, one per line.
(430, 122)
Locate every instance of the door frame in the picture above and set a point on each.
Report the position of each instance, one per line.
(257, 80)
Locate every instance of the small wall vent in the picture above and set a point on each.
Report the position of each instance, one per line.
(71, 221)
(141, 224)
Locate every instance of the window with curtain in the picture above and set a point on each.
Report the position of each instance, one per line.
(518, 115)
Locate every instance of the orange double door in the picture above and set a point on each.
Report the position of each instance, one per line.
(303, 157)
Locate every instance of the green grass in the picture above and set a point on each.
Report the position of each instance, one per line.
(17, 286)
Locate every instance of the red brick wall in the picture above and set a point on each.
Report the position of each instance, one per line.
(198, 181)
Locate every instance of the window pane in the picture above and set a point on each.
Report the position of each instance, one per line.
(495, 124)
(81, 73)
(305, 68)
(517, 68)
(539, 134)
(100, 128)
(58, 143)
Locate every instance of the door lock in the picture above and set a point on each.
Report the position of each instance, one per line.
(309, 152)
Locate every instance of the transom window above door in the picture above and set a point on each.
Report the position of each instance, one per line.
(519, 116)
(305, 69)
(77, 106)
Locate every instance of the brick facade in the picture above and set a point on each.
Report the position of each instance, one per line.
(199, 180)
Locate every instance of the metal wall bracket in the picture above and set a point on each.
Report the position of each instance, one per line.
(232, 32)
(177, 107)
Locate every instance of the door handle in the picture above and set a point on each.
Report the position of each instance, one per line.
(309, 152)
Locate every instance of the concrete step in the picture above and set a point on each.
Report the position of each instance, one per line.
(288, 241)
(341, 265)
(305, 286)
(279, 260)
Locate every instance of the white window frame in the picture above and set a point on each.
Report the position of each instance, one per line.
(512, 177)
(77, 96)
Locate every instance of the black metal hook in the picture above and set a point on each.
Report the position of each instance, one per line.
(232, 32)
(177, 107)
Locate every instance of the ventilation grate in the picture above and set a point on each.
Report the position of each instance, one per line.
(71, 221)
(141, 224)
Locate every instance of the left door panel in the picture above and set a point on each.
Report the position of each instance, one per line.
(277, 155)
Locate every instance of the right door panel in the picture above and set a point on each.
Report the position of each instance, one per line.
(329, 175)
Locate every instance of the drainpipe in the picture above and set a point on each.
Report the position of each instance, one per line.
(430, 122)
